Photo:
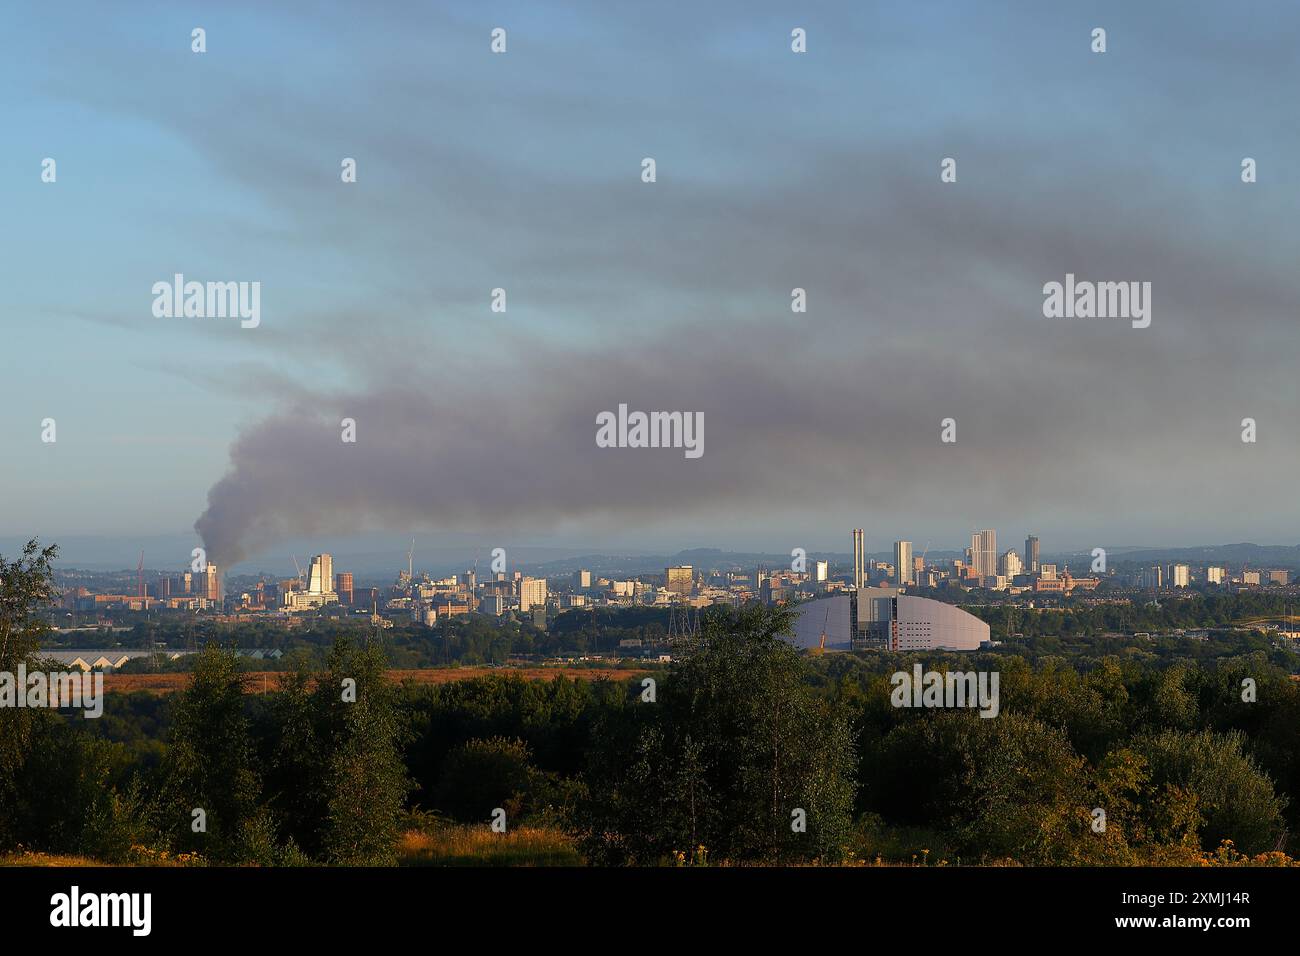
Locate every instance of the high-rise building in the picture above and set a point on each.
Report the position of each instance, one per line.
(320, 579)
(1180, 575)
(582, 580)
(904, 573)
(857, 558)
(532, 594)
(984, 552)
(680, 579)
(1214, 575)
(207, 583)
(1009, 564)
(820, 571)
(1031, 554)
(343, 585)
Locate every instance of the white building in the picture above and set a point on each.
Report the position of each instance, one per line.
(532, 593)
(984, 552)
(887, 619)
(1009, 565)
(903, 563)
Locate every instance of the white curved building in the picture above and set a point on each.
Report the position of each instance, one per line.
(884, 619)
(920, 624)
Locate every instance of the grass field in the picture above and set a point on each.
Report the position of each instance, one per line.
(477, 845)
(259, 681)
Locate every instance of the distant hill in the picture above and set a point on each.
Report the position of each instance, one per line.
(1232, 555)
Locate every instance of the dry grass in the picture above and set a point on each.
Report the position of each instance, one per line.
(477, 845)
(257, 681)
(31, 858)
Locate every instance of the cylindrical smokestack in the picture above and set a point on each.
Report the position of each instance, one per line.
(857, 558)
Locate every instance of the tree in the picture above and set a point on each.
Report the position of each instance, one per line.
(26, 589)
(209, 762)
(736, 745)
(482, 775)
(337, 776)
(1233, 796)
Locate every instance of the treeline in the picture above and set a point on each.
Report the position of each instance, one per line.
(469, 640)
(310, 774)
(1075, 619)
(1177, 758)
(727, 752)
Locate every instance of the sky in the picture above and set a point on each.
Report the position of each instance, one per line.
(775, 170)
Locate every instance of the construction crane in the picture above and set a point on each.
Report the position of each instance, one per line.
(298, 568)
(821, 647)
(139, 576)
(410, 568)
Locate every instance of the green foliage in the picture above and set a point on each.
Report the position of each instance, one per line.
(735, 743)
(209, 761)
(26, 589)
(338, 777)
(482, 775)
(1233, 796)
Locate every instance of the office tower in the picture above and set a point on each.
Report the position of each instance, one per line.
(343, 585)
(320, 579)
(903, 570)
(187, 583)
(582, 580)
(1031, 554)
(820, 571)
(532, 593)
(208, 583)
(680, 579)
(984, 552)
(857, 558)
(1009, 564)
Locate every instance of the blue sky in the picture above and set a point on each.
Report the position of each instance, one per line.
(775, 170)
